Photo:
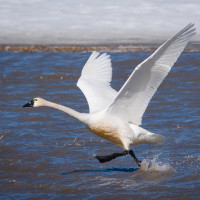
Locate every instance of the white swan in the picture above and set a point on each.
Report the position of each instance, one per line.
(117, 116)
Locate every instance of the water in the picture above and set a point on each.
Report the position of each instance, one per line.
(94, 22)
(46, 154)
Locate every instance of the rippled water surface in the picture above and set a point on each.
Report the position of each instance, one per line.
(46, 154)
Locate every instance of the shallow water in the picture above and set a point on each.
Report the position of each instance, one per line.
(47, 155)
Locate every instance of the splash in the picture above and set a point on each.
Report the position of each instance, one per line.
(155, 166)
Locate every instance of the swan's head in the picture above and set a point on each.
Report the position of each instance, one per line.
(36, 102)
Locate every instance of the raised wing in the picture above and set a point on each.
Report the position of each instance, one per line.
(133, 98)
(95, 81)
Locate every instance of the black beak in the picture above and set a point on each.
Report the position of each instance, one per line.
(29, 104)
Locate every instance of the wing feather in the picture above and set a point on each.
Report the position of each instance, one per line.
(95, 81)
(134, 96)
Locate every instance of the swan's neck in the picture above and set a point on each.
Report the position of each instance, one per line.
(79, 116)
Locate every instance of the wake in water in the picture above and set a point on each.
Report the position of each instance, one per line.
(155, 166)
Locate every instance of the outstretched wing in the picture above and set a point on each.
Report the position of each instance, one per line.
(95, 81)
(133, 98)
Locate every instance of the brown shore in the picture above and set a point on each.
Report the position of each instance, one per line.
(89, 48)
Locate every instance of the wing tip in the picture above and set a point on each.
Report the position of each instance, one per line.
(190, 28)
(96, 55)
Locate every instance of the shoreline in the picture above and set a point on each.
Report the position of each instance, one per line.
(89, 48)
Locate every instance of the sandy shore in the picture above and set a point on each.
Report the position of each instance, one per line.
(88, 48)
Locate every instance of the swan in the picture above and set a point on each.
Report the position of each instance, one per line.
(117, 116)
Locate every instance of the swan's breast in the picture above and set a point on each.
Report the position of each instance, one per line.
(106, 131)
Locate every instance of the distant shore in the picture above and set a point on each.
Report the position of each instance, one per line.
(89, 48)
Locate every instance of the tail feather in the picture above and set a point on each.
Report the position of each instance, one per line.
(156, 139)
(151, 138)
(144, 136)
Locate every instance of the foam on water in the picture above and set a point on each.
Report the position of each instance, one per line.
(155, 165)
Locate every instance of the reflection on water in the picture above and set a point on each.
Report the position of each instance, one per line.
(47, 155)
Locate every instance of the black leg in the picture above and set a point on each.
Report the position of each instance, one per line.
(135, 158)
(110, 157)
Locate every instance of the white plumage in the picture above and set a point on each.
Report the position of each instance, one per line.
(116, 116)
(95, 81)
(133, 98)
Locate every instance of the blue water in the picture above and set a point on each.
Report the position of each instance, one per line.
(46, 154)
